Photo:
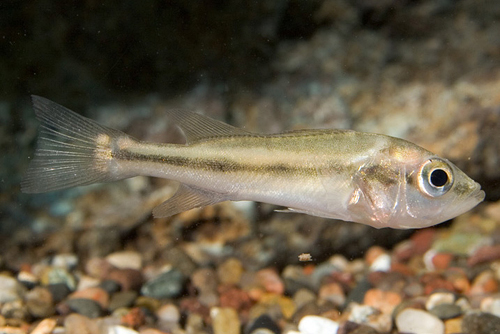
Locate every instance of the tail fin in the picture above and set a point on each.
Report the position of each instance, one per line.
(72, 150)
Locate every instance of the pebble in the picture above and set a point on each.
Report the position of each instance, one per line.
(86, 307)
(441, 261)
(121, 330)
(484, 254)
(10, 289)
(46, 326)
(225, 320)
(15, 309)
(324, 269)
(311, 324)
(79, 324)
(263, 325)
(484, 283)
(385, 301)
(28, 279)
(40, 302)
(332, 292)
(418, 322)
(59, 291)
(110, 286)
(439, 298)
(480, 323)
(270, 281)
(55, 275)
(85, 282)
(125, 260)
(230, 271)
(303, 296)
(168, 313)
(365, 330)
(98, 267)
(205, 281)
(167, 285)
(128, 279)
(233, 297)
(96, 294)
(65, 261)
(134, 318)
(453, 326)
(122, 299)
(168, 317)
(446, 311)
(368, 315)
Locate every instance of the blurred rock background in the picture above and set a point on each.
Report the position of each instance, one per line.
(426, 71)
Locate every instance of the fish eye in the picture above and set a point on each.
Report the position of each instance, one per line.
(435, 177)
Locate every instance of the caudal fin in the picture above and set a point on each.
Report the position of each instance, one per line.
(72, 150)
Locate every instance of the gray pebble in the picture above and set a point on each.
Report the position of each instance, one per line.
(167, 285)
(263, 325)
(59, 291)
(86, 307)
(122, 299)
(110, 286)
(446, 311)
(481, 323)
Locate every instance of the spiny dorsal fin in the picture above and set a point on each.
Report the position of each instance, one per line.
(187, 198)
(198, 127)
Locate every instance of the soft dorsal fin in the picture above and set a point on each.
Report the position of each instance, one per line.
(197, 127)
(187, 198)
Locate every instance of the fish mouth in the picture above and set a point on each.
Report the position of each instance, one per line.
(478, 194)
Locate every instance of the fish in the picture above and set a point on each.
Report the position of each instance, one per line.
(366, 178)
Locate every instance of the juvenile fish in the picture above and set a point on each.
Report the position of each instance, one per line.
(341, 174)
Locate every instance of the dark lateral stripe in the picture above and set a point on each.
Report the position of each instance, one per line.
(219, 165)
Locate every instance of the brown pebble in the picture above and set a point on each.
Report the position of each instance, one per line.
(134, 318)
(385, 301)
(269, 279)
(332, 292)
(46, 326)
(97, 267)
(234, 298)
(79, 324)
(442, 261)
(422, 240)
(484, 283)
(13, 330)
(151, 331)
(230, 271)
(484, 254)
(40, 302)
(129, 279)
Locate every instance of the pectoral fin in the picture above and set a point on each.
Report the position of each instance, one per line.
(187, 198)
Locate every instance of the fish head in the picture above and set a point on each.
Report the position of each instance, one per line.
(436, 191)
(414, 190)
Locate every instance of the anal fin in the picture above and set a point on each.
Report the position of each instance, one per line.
(187, 198)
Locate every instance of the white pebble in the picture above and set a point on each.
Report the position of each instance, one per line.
(125, 260)
(66, 261)
(381, 263)
(439, 298)
(312, 324)
(491, 305)
(10, 289)
(121, 330)
(418, 322)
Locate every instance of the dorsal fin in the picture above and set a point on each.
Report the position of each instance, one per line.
(198, 127)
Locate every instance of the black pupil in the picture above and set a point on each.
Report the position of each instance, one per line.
(439, 178)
